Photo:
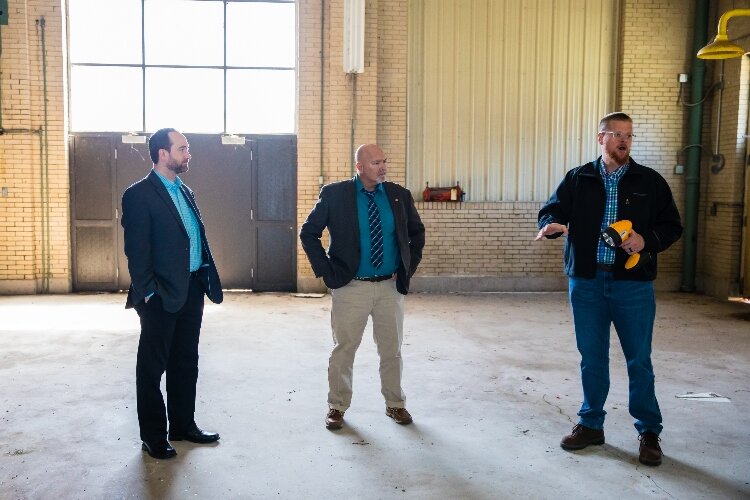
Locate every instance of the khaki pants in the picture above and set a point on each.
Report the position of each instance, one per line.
(351, 306)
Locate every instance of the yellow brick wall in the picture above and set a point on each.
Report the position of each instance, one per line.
(27, 265)
(363, 108)
(655, 48)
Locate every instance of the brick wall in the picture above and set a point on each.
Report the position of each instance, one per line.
(363, 108)
(487, 247)
(655, 47)
(34, 224)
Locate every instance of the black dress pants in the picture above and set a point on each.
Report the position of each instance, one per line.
(168, 342)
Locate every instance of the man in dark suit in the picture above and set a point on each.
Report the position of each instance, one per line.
(376, 241)
(171, 268)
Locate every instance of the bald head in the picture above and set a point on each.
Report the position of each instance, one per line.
(365, 151)
(371, 165)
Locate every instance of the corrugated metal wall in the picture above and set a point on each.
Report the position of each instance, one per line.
(506, 95)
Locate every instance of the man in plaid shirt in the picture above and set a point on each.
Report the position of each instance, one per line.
(602, 292)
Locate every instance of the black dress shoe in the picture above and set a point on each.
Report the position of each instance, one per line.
(159, 449)
(194, 435)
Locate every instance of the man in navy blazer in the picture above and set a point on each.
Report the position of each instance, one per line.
(171, 269)
(376, 241)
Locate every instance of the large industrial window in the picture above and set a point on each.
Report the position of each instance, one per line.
(505, 96)
(202, 66)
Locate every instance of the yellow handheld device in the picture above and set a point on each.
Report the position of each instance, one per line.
(615, 234)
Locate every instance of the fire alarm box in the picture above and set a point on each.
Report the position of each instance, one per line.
(454, 193)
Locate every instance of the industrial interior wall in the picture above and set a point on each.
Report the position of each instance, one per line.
(725, 116)
(34, 182)
(474, 245)
(338, 111)
(656, 46)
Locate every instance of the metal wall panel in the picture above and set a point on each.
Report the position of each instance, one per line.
(506, 95)
(94, 258)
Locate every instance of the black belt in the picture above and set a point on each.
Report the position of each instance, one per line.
(373, 279)
(605, 267)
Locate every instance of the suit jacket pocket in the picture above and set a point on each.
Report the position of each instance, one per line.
(337, 278)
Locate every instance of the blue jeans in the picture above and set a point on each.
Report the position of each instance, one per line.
(630, 305)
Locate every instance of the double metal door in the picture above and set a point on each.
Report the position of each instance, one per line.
(246, 193)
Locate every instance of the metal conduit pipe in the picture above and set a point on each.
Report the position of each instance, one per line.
(353, 122)
(1, 81)
(322, 81)
(693, 163)
(44, 167)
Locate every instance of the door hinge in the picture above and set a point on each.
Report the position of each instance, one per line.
(252, 272)
(251, 214)
(115, 154)
(117, 214)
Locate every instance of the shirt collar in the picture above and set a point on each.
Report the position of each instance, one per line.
(173, 185)
(361, 187)
(616, 174)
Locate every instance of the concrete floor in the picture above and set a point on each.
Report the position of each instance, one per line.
(492, 382)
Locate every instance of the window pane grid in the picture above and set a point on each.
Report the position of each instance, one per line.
(162, 51)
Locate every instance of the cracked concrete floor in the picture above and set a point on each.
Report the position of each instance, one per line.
(491, 379)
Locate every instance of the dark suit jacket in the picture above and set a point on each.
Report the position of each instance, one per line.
(158, 247)
(336, 209)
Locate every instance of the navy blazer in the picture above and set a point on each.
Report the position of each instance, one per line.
(158, 247)
(336, 209)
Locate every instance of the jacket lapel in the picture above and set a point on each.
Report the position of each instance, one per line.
(350, 201)
(188, 196)
(164, 195)
(395, 202)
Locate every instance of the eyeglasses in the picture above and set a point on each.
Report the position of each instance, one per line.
(619, 135)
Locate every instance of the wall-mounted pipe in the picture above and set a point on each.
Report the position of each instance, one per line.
(717, 160)
(44, 184)
(1, 81)
(693, 164)
(322, 82)
(353, 130)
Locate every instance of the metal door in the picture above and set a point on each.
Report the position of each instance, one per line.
(274, 214)
(92, 212)
(221, 177)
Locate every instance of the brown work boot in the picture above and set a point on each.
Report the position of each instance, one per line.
(334, 419)
(581, 437)
(400, 415)
(649, 451)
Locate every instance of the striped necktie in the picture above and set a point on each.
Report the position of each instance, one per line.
(376, 232)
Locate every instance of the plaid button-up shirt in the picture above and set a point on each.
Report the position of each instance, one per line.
(605, 253)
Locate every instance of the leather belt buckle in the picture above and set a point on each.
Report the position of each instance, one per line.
(373, 279)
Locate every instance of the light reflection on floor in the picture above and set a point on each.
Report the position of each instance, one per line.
(72, 312)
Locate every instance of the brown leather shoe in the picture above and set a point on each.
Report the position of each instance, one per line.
(400, 415)
(649, 452)
(334, 419)
(581, 437)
